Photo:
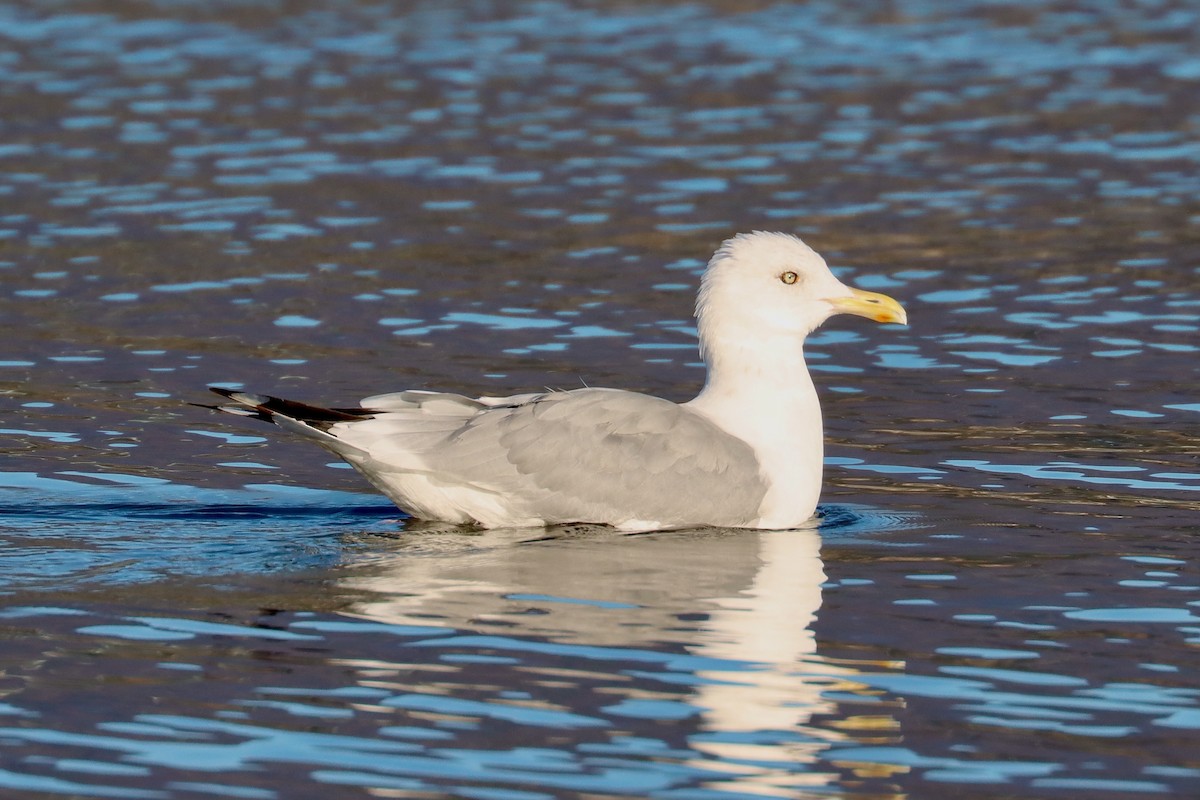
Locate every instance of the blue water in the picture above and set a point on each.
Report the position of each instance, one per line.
(328, 200)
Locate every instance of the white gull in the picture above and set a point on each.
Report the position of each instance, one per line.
(747, 452)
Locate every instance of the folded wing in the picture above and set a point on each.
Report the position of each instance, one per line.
(601, 455)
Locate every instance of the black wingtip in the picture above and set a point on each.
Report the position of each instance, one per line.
(265, 406)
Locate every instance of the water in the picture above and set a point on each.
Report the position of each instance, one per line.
(327, 200)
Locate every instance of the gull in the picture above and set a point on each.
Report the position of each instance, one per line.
(747, 452)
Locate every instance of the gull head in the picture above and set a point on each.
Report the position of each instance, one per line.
(762, 286)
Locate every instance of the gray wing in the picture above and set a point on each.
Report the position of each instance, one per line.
(600, 455)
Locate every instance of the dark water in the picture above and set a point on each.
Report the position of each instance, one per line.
(331, 199)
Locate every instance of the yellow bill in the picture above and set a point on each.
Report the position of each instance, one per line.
(871, 305)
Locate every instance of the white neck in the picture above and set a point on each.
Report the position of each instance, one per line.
(759, 390)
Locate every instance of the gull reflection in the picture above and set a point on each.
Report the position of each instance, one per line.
(759, 718)
(742, 603)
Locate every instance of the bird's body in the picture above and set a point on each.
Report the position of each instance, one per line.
(746, 452)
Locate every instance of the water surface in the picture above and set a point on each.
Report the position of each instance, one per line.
(331, 199)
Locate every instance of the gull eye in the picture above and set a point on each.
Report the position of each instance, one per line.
(789, 277)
